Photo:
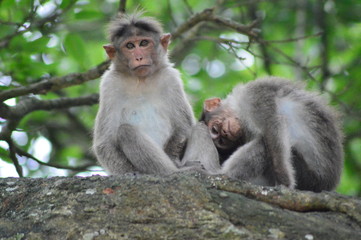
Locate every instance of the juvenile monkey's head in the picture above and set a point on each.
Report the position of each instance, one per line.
(137, 44)
(223, 124)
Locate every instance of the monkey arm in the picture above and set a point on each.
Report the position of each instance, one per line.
(273, 126)
(111, 158)
(175, 146)
(248, 161)
(200, 147)
(278, 143)
(142, 152)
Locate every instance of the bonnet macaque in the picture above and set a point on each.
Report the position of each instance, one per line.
(144, 118)
(272, 132)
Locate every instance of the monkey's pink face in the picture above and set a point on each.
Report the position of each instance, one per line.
(225, 129)
(139, 52)
(223, 124)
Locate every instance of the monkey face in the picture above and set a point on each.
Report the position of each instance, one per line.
(223, 124)
(137, 55)
(225, 130)
(139, 52)
(137, 46)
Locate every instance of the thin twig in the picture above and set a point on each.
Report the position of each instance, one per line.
(28, 155)
(14, 159)
(192, 21)
(188, 7)
(248, 30)
(294, 39)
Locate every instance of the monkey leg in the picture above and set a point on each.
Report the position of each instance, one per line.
(200, 147)
(141, 151)
(112, 159)
(249, 162)
(277, 141)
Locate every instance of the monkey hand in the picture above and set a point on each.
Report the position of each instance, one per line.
(197, 164)
(192, 166)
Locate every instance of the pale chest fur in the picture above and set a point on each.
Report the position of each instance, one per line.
(140, 105)
(148, 115)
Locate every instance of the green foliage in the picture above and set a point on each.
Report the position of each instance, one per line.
(43, 39)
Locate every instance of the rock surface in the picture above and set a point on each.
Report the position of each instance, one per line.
(180, 206)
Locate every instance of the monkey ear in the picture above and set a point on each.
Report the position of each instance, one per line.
(211, 104)
(110, 49)
(165, 40)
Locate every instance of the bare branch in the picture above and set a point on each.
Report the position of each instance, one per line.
(188, 6)
(294, 39)
(321, 21)
(122, 5)
(194, 24)
(28, 155)
(192, 21)
(14, 159)
(186, 43)
(56, 83)
(34, 104)
(248, 30)
(208, 15)
(220, 40)
(253, 9)
(291, 60)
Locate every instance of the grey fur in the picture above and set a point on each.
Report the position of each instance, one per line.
(142, 125)
(292, 136)
(201, 149)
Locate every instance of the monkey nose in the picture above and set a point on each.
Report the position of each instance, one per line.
(139, 59)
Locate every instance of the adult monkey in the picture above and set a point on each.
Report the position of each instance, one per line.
(144, 118)
(270, 131)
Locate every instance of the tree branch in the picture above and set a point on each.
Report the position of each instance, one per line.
(14, 159)
(28, 155)
(208, 15)
(301, 201)
(321, 21)
(248, 30)
(34, 104)
(267, 59)
(122, 5)
(192, 21)
(56, 83)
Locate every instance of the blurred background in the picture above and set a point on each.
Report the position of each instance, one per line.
(47, 131)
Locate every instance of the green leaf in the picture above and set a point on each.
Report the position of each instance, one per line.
(65, 3)
(88, 15)
(39, 45)
(75, 48)
(4, 155)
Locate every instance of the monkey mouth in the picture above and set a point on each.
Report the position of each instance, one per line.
(141, 66)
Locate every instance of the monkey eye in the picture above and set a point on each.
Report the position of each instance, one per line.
(130, 45)
(214, 130)
(144, 43)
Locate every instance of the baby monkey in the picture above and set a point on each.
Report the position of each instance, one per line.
(271, 131)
